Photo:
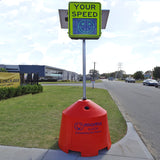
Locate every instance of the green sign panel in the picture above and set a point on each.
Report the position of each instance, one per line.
(84, 20)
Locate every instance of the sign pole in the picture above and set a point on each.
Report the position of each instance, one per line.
(84, 69)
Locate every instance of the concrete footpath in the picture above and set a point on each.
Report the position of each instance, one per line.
(130, 147)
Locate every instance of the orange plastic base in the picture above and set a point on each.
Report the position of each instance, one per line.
(84, 128)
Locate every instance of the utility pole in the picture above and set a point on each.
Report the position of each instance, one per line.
(94, 71)
(119, 70)
(93, 81)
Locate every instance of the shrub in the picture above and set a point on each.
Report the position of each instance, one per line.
(28, 89)
(3, 93)
(40, 88)
(34, 89)
(18, 91)
(21, 90)
(11, 92)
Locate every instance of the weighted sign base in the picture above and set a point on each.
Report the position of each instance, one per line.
(84, 128)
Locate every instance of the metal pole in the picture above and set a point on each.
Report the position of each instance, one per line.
(93, 75)
(84, 69)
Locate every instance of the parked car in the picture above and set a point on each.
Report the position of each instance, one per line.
(111, 78)
(130, 80)
(150, 82)
(157, 85)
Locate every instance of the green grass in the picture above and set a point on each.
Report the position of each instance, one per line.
(139, 81)
(34, 120)
(88, 81)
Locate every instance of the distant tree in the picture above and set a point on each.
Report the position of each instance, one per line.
(156, 72)
(116, 74)
(3, 70)
(94, 73)
(119, 74)
(138, 75)
(80, 77)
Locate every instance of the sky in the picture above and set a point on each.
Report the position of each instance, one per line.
(30, 33)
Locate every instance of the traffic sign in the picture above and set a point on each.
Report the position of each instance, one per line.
(84, 20)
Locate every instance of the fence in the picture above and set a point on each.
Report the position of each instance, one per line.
(29, 78)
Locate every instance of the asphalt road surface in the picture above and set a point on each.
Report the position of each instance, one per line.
(141, 106)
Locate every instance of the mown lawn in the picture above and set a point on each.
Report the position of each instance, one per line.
(67, 82)
(34, 120)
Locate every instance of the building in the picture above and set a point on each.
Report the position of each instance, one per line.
(10, 68)
(148, 74)
(44, 72)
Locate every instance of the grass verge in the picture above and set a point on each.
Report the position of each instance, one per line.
(64, 82)
(34, 120)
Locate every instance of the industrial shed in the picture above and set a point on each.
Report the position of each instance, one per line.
(45, 72)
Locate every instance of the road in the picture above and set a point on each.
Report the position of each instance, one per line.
(140, 105)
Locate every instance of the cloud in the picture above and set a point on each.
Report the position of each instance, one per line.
(2, 43)
(36, 57)
(23, 58)
(156, 53)
(114, 34)
(148, 11)
(13, 3)
(155, 41)
(64, 57)
(38, 47)
(152, 30)
(108, 55)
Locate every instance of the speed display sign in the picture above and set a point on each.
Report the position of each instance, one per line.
(84, 20)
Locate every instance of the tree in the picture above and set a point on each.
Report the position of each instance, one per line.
(119, 74)
(156, 72)
(138, 75)
(94, 73)
(3, 70)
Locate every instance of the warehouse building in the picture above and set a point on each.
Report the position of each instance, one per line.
(44, 72)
